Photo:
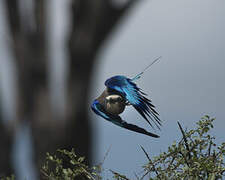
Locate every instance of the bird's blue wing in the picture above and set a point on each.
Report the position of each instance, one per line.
(128, 89)
(115, 119)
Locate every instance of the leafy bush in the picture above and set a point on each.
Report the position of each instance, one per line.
(12, 177)
(55, 168)
(194, 157)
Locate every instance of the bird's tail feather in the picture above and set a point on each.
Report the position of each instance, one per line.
(139, 74)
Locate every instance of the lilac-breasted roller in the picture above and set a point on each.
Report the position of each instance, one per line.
(121, 92)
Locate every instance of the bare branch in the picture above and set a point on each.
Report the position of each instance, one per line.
(185, 140)
(119, 175)
(150, 161)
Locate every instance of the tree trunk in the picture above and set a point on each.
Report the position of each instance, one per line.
(92, 22)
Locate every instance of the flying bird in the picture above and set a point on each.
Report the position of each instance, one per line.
(120, 92)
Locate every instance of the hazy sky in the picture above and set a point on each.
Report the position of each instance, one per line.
(186, 84)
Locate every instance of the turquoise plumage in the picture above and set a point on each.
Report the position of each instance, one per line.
(121, 92)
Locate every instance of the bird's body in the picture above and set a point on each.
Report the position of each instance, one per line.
(120, 92)
(112, 103)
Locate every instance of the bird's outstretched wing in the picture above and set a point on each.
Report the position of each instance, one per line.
(99, 110)
(128, 89)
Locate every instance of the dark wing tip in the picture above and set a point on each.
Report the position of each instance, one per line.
(136, 128)
(153, 135)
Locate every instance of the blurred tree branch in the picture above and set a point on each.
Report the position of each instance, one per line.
(6, 143)
(92, 22)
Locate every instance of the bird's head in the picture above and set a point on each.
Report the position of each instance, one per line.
(115, 104)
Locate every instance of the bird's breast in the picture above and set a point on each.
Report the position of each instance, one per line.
(114, 104)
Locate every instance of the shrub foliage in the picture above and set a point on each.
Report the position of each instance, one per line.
(194, 157)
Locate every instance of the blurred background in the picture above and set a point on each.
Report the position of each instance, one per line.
(55, 56)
